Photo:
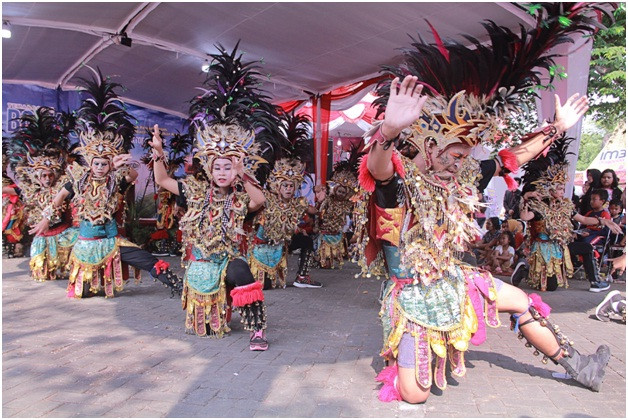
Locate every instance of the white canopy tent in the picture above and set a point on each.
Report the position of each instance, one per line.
(304, 49)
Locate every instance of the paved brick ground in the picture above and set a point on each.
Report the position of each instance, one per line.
(129, 357)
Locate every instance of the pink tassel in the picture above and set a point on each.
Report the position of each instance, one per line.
(543, 308)
(244, 295)
(389, 391)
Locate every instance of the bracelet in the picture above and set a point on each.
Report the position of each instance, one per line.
(551, 132)
(381, 140)
(599, 220)
(161, 158)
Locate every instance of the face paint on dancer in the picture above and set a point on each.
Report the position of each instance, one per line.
(447, 163)
(100, 167)
(286, 190)
(46, 178)
(223, 172)
(558, 191)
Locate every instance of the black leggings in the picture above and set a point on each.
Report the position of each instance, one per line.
(138, 258)
(301, 241)
(586, 250)
(238, 273)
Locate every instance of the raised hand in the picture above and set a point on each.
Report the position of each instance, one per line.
(121, 160)
(156, 143)
(569, 114)
(404, 105)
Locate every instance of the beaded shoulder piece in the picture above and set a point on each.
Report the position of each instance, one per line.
(280, 218)
(96, 200)
(213, 223)
(36, 198)
(333, 214)
(557, 218)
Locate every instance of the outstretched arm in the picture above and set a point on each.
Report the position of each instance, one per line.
(402, 109)
(567, 116)
(161, 175)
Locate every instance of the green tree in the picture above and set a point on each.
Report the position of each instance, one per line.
(590, 145)
(607, 74)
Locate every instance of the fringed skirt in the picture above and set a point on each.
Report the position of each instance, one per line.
(50, 254)
(95, 264)
(204, 297)
(331, 248)
(442, 318)
(269, 261)
(549, 259)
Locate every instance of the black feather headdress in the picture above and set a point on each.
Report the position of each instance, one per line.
(232, 115)
(550, 170)
(103, 124)
(472, 89)
(345, 172)
(42, 133)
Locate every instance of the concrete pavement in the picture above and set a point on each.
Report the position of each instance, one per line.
(129, 357)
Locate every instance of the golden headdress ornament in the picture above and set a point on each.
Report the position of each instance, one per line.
(474, 90)
(105, 128)
(232, 118)
(286, 169)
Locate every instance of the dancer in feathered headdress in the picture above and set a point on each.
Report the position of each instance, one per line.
(418, 212)
(232, 124)
(37, 152)
(96, 190)
(278, 233)
(549, 215)
(12, 211)
(335, 209)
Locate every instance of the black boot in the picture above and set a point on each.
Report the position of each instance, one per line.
(169, 279)
(587, 370)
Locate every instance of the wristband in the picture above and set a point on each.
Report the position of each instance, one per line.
(381, 140)
(551, 132)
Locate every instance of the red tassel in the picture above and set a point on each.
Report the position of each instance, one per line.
(510, 183)
(159, 234)
(160, 266)
(509, 160)
(244, 295)
(366, 180)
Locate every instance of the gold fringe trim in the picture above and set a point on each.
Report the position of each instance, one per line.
(206, 313)
(333, 253)
(276, 274)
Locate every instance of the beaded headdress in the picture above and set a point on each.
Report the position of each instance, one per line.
(232, 118)
(105, 128)
(472, 90)
(345, 172)
(41, 141)
(296, 153)
(545, 173)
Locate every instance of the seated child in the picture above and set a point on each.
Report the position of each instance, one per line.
(500, 261)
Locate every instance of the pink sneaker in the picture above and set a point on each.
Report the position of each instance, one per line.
(258, 341)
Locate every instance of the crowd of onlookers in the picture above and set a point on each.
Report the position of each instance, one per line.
(503, 243)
